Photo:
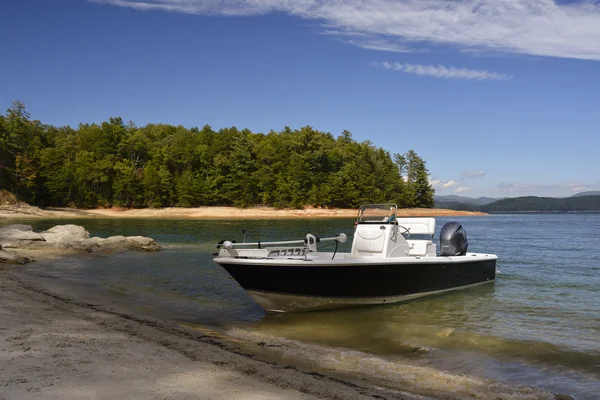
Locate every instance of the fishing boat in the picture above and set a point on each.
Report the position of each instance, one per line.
(392, 259)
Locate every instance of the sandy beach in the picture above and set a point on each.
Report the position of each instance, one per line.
(54, 347)
(24, 211)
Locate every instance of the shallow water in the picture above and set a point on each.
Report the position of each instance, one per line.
(538, 324)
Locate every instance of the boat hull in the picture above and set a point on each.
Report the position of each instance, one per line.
(308, 285)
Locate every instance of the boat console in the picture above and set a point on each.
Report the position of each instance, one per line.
(380, 233)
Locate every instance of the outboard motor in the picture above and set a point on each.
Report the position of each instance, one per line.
(453, 240)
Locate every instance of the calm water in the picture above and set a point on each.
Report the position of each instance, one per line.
(539, 324)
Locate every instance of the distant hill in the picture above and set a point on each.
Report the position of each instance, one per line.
(455, 206)
(454, 199)
(586, 194)
(533, 203)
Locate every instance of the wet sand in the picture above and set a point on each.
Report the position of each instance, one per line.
(54, 347)
(26, 211)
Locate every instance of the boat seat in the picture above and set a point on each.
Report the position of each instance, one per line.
(369, 240)
(418, 226)
(420, 248)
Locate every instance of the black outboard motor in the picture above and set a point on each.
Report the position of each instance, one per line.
(453, 240)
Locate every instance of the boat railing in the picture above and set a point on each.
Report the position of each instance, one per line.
(309, 243)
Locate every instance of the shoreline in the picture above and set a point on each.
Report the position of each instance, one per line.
(57, 346)
(31, 212)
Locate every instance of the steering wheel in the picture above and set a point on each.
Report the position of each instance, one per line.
(405, 230)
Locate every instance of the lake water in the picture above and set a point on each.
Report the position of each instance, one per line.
(538, 324)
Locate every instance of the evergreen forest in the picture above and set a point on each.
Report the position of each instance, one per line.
(117, 164)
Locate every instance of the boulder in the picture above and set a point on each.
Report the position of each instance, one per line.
(64, 235)
(120, 243)
(7, 198)
(67, 237)
(10, 258)
(143, 243)
(19, 227)
(15, 236)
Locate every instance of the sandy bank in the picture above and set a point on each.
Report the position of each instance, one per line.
(54, 346)
(57, 348)
(25, 212)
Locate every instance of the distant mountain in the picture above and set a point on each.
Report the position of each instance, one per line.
(451, 199)
(585, 201)
(455, 206)
(586, 194)
(545, 204)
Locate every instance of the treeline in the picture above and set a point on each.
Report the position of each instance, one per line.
(117, 164)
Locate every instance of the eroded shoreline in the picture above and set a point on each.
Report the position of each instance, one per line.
(30, 212)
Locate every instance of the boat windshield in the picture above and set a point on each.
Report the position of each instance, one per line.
(377, 213)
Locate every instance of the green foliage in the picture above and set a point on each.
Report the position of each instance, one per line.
(118, 164)
(419, 192)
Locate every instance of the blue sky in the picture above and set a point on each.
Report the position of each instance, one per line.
(500, 97)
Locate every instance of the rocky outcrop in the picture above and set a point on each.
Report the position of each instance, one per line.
(69, 238)
(65, 235)
(8, 257)
(16, 236)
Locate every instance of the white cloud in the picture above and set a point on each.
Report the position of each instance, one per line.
(435, 183)
(449, 184)
(551, 190)
(440, 184)
(473, 174)
(441, 71)
(532, 27)
(461, 189)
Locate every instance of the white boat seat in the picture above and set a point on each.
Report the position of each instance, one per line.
(369, 241)
(420, 248)
(418, 226)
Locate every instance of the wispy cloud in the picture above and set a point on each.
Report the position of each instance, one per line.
(461, 189)
(441, 71)
(564, 189)
(473, 174)
(449, 184)
(532, 27)
(439, 184)
(381, 45)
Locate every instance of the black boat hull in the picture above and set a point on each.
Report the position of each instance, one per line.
(280, 287)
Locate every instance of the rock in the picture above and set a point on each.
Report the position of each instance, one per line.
(15, 236)
(114, 242)
(563, 396)
(65, 234)
(20, 227)
(7, 198)
(91, 244)
(121, 243)
(143, 243)
(14, 244)
(10, 258)
(67, 237)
